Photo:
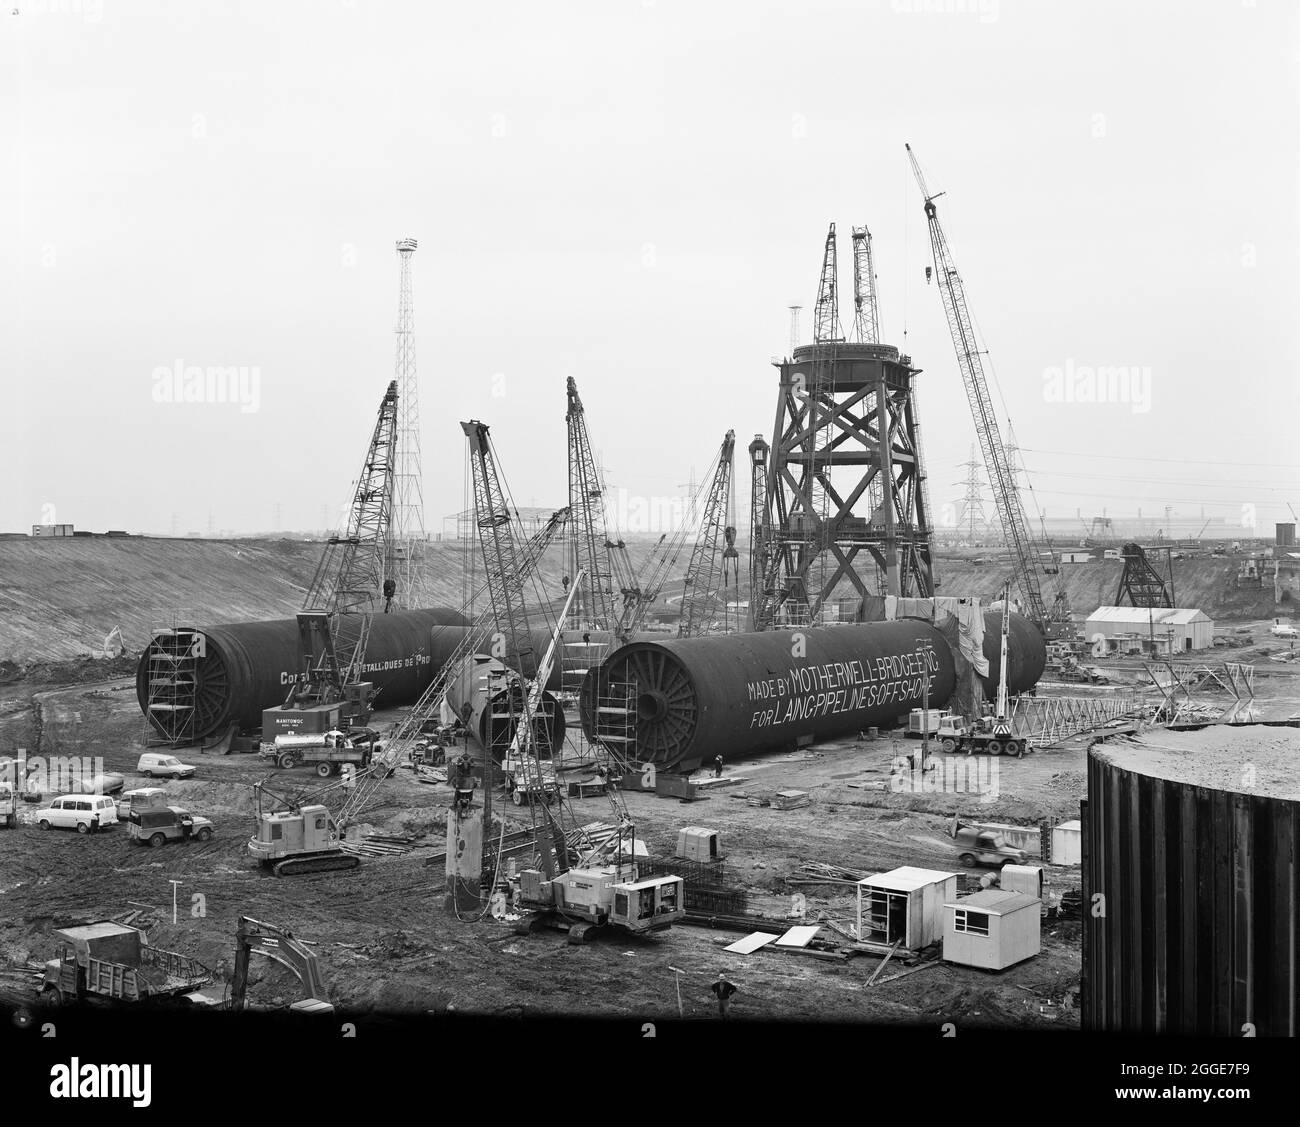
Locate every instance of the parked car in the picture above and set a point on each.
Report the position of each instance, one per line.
(171, 823)
(83, 813)
(153, 765)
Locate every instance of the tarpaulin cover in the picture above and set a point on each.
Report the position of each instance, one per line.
(961, 622)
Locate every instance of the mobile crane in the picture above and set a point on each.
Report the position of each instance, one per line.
(989, 735)
(298, 835)
(714, 558)
(301, 833)
(350, 579)
(587, 900)
(1006, 492)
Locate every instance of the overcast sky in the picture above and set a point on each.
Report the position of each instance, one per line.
(632, 192)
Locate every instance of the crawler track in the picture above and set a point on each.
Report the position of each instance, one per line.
(298, 866)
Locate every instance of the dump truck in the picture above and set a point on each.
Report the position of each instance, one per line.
(585, 902)
(326, 751)
(112, 962)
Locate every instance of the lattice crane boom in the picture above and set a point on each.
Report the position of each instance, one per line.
(656, 569)
(866, 315)
(402, 739)
(826, 323)
(587, 503)
(1006, 494)
(349, 580)
(715, 545)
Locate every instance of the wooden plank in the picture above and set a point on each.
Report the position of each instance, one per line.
(876, 973)
(750, 943)
(799, 936)
(912, 970)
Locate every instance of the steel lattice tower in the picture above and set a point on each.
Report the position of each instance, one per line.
(409, 537)
(972, 501)
(844, 475)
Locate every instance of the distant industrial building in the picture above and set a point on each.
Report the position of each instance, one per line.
(47, 530)
(1285, 537)
(1166, 630)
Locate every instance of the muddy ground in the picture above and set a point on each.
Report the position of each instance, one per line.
(387, 944)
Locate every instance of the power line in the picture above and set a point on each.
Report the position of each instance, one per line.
(1221, 484)
(1175, 461)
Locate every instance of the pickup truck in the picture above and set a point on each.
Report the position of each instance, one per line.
(171, 823)
(983, 847)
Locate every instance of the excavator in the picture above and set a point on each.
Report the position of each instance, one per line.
(278, 944)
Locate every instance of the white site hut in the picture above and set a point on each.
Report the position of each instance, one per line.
(993, 929)
(904, 904)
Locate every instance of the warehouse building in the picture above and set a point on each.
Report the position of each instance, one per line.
(1141, 629)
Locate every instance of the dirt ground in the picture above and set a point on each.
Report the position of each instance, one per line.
(386, 943)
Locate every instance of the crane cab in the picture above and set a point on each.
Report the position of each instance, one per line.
(286, 833)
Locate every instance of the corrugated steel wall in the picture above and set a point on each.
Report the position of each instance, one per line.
(1195, 931)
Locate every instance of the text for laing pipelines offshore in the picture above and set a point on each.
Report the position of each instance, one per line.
(832, 687)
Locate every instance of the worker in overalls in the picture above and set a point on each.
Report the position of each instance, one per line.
(723, 990)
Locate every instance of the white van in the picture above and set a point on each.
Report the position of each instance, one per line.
(166, 766)
(82, 812)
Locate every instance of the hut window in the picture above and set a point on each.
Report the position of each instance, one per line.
(973, 923)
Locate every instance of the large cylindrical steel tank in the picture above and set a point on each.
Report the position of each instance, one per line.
(579, 651)
(246, 667)
(1190, 883)
(690, 699)
(488, 698)
(1026, 653)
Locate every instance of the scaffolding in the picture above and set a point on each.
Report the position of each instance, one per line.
(172, 659)
(577, 659)
(616, 726)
